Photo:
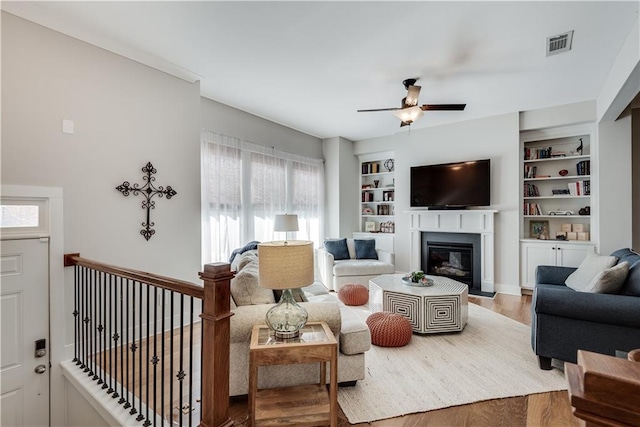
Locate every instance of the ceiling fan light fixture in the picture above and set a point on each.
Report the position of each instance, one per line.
(409, 115)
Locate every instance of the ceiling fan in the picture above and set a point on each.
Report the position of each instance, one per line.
(410, 110)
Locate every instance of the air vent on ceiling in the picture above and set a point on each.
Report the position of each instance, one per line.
(560, 43)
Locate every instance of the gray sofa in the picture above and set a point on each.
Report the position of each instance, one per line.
(564, 321)
(250, 303)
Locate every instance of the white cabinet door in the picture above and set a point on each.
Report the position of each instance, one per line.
(568, 255)
(533, 255)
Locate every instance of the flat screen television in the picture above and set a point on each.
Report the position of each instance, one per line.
(451, 185)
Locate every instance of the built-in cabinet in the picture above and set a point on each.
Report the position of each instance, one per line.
(557, 186)
(559, 254)
(377, 194)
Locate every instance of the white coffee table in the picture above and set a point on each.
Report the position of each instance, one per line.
(443, 307)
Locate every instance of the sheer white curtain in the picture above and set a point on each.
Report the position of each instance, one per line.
(246, 184)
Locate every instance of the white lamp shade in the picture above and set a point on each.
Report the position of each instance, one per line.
(285, 222)
(409, 115)
(285, 265)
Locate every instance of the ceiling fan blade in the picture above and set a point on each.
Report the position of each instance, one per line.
(442, 107)
(412, 96)
(380, 109)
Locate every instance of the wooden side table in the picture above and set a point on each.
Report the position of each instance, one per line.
(309, 404)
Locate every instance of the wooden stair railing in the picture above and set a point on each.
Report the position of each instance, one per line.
(216, 314)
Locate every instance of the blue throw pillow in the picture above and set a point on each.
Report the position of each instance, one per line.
(337, 248)
(365, 249)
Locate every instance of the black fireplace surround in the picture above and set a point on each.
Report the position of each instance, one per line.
(454, 255)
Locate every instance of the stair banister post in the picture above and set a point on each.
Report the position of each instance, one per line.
(216, 327)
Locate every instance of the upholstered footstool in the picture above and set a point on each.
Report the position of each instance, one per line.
(353, 294)
(389, 329)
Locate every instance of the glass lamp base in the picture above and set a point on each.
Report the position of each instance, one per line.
(287, 317)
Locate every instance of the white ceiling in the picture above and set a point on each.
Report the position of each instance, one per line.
(311, 65)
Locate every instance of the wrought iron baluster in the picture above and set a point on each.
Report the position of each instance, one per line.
(132, 384)
(140, 417)
(181, 372)
(191, 400)
(113, 368)
(155, 359)
(76, 312)
(171, 362)
(84, 317)
(126, 343)
(122, 342)
(90, 322)
(100, 314)
(147, 422)
(163, 356)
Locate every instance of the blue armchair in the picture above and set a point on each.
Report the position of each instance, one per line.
(564, 321)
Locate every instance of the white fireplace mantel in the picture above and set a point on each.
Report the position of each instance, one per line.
(456, 221)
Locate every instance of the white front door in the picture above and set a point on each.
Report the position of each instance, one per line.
(24, 311)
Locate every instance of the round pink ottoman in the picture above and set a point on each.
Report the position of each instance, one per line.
(389, 329)
(353, 294)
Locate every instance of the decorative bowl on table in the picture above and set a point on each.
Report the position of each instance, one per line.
(417, 278)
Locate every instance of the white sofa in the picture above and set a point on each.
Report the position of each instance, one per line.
(250, 304)
(336, 273)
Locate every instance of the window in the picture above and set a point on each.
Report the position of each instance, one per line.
(23, 217)
(245, 185)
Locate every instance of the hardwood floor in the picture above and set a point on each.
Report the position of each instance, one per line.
(545, 409)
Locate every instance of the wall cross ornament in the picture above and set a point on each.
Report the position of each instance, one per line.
(148, 191)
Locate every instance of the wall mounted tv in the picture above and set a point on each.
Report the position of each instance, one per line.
(451, 185)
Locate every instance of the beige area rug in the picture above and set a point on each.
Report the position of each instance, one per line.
(490, 359)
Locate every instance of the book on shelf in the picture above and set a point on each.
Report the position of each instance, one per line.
(530, 171)
(537, 153)
(532, 209)
(531, 190)
(583, 167)
(370, 167)
(579, 188)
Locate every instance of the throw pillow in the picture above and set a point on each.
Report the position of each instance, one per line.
(590, 266)
(365, 249)
(246, 289)
(337, 248)
(610, 280)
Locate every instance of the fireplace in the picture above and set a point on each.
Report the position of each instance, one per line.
(470, 227)
(454, 255)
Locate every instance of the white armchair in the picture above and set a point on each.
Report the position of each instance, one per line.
(336, 273)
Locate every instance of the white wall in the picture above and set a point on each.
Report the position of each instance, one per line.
(614, 184)
(496, 138)
(229, 121)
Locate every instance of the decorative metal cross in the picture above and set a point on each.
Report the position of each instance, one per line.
(148, 190)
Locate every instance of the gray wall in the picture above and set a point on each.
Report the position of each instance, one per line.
(125, 115)
(496, 138)
(233, 122)
(341, 178)
(635, 178)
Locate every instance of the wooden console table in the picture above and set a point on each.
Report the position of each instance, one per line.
(604, 390)
(309, 405)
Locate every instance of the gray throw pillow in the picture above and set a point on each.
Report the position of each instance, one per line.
(337, 248)
(365, 249)
(610, 280)
(590, 266)
(246, 289)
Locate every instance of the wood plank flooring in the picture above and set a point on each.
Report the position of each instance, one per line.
(545, 409)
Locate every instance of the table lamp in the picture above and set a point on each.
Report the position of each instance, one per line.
(286, 223)
(286, 265)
